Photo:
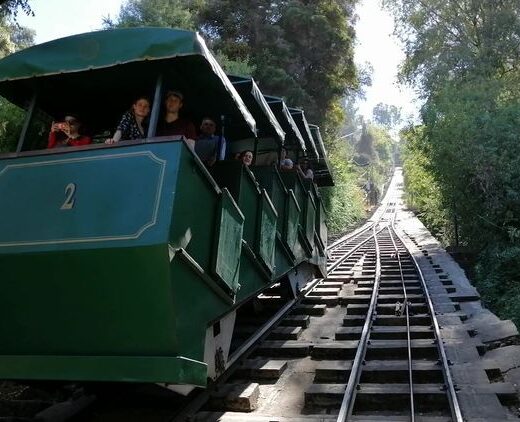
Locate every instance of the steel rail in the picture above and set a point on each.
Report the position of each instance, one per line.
(347, 403)
(408, 328)
(354, 235)
(351, 236)
(452, 394)
(246, 348)
(342, 258)
(370, 224)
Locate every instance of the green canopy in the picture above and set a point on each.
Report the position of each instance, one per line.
(267, 124)
(119, 64)
(322, 171)
(299, 117)
(283, 115)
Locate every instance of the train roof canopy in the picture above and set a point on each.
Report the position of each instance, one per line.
(299, 117)
(121, 62)
(267, 124)
(283, 115)
(322, 171)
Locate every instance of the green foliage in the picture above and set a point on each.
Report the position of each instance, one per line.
(498, 279)
(449, 40)
(11, 120)
(386, 115)
(365, 149)
(241, 67)
(162, 13)
(297, 49)
(300, 50)
(12, 38)
(463, 165)
(10, 8)
(422, 192)
(344, 201)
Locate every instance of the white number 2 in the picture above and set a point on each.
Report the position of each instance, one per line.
(69, 197)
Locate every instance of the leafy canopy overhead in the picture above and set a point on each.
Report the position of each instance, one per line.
(11, 7)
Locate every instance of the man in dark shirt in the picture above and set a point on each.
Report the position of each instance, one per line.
(210, 147)
(173, 124)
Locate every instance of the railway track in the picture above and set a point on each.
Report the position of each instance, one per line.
(363, 344)
(386, 357)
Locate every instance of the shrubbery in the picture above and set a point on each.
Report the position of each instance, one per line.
(462, 165)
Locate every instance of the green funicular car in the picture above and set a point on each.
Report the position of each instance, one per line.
(127, 262)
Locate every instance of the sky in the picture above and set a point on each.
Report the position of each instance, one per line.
(375, 43)
(52, 17)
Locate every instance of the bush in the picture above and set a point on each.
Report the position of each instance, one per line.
(498, 280)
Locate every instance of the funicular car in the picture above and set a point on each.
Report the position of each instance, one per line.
(127, 262)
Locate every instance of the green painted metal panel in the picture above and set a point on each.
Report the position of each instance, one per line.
(196, 300)
(243, 187)
(321, 223)
(87, 302)
(229, 241)
(105, 368)
(193, 219)
(256, 259)
(284, 258)
(267, 232)
(102, 295)
(310, 219)
(104, 198)
(253, 274)
(319, 257)
(279, 198)
(249, 203)
(292, 221)
(227, 174)
(269, 178)
(293, 181)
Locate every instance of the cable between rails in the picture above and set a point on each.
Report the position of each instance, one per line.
(450, 386)
(408, 328)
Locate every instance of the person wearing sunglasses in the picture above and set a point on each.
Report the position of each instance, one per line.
(67, 133)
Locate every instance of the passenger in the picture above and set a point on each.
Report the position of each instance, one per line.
(133, 124)
(246, 157)
(304, 169)
(67, 133)
(173, 124)
(285, 162)
(210, 147)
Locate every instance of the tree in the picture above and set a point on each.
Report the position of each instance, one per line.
(301, 50)
(365, 148)
(464, 57)
(183, 14)
(13, 37)
(163, 13)
(11, 7)
(386, 115)
(447, 40)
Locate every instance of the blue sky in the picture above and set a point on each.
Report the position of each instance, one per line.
(59, 18)
(374, 34)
